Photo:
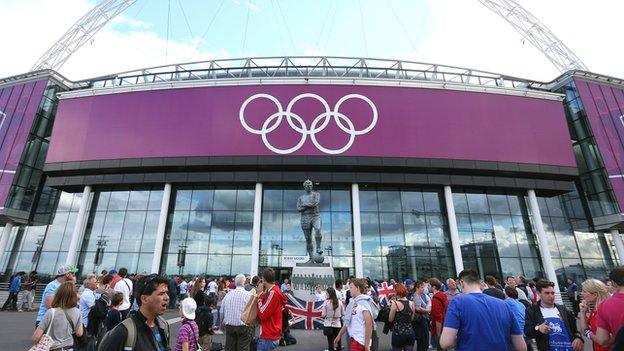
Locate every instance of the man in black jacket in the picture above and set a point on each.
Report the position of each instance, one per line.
(145, 330)
(551, 325)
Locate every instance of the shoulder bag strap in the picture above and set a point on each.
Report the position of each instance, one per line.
(51, 321)
(69, 321)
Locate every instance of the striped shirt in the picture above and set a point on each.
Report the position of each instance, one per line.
(189, 333)
(232, 306)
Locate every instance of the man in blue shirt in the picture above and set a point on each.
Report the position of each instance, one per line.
(87, 301)
(63, 274)
(14, 289)
(475, 321)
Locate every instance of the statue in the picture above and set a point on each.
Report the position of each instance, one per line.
(308, 205)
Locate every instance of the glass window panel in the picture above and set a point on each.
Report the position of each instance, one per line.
(243, 232)
(415, 230)
(573, 268)
(290, 199)
(432, 202)
(138, 199)
(272, 199)
(412, 201)
(111, 231)
(527, 244)
(595, 268)
(477, 203)
(225, 199)
(144, 265)
(498, 204)
(325, 202)
(103, 198)
(55, 232)
(76, 201)
(118, 200)
(176, 233)
(554, 206)
(460, 203)
(368, 200)
(183, 199)
(222, 233)
(370, 233)
(47, 263)
(193, 264)
(271, 231)
(341, 234)
(481, 224)
(240, 264)
(341, 200)
(532, 267)
(65, 202)
(590, 245)
(149, 233)
(132, 231)
(391, 230)
(245, 199)
(510, 266)
(94, 230)
(69, 229)
(127, 260)
(342, 262)
(372, 267)
(516, 204)
(219, 265)
(505, 237)
(155, 200)
(389, 201)
(565, 238)
(463, 223)
(293, 240)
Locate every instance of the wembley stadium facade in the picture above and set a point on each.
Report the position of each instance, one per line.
(422, 169)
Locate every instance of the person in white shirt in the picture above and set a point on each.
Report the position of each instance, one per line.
(212, 290)
(183, 289)
(124, 286)
(237, 334)
(360, 325)
(341, 292)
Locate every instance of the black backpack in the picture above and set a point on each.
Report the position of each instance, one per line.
(204, 320)
(97, 315)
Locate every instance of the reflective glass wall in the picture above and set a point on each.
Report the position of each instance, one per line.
(495, 233)
(121, 229)
(209, 231)
(281, 233)
(405, 233)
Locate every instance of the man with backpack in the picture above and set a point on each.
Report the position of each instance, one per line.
(97, 314)
(145, 330)
(87, 301)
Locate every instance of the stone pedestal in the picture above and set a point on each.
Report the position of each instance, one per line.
(305, 276)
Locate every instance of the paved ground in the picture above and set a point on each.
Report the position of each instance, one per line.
(16, 329)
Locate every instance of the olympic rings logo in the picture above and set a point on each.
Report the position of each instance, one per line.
(298, 124)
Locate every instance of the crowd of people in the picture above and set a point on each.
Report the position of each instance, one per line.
(115, 310)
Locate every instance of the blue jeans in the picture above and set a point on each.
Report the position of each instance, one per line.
(218, 321)
(267, 345)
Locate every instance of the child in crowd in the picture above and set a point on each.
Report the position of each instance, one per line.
(188, 336)
(114, 316)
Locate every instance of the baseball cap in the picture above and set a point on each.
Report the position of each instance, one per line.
(64, 269)
(188, 307)
(112, 271)
(408, 281)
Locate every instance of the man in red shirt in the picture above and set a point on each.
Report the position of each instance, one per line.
(610, 313)
(439, 303)
(270, 304)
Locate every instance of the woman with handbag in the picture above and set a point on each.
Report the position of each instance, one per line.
(62, 322)
(332, 313)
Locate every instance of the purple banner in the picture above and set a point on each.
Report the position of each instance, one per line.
(312, 120)
(604, 106)
(18, 106)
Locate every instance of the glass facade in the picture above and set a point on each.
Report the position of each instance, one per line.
(281, 233)
(404, 233)
(209, 231)
(495, 233)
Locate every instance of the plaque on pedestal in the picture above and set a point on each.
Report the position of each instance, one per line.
(306, 276)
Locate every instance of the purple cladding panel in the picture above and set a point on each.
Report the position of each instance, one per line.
(18, 107)
(312, 120)
(604, 106)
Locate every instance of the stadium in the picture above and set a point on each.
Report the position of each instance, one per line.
(423, 169)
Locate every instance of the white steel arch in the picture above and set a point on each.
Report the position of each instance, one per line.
(536, 33)
(80, 32)
(519, 18)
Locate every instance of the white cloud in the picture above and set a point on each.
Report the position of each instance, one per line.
(467, 34)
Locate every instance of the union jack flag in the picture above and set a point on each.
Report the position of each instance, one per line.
(384, 292)
(306, 314)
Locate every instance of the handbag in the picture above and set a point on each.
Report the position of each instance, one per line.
(46, 340)
(79, 341)
(250, 312)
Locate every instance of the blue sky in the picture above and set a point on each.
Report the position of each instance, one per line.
(453, 32)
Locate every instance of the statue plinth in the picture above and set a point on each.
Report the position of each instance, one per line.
(306, 276)
(312, 264)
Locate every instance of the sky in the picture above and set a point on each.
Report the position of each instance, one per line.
(460, 33)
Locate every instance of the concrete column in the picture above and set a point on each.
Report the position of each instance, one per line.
(255, 232)
(617, 240)
(450, 213)
(357, 231)
(76, 238)
(4, 239)
(543, 243)
(162, 225)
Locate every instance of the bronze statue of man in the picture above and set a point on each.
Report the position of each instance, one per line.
(308, 205)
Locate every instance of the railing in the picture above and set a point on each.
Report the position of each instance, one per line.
(312, 67)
